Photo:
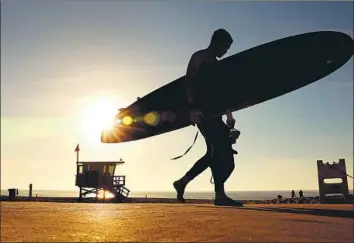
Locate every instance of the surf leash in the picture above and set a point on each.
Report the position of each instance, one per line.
(195, 139)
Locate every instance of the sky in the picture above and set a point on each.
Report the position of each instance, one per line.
(61, 60)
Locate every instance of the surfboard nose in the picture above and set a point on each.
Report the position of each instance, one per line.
(107, 137)
(131, 125)
(340, 45)
(126, 128)
(111, 136)
(122, 131)
(118, 134)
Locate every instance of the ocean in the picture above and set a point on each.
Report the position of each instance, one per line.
(240, 195)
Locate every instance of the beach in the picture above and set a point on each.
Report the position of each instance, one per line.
(305, 200)
(164, 199)
(50, 221)
(247, 196)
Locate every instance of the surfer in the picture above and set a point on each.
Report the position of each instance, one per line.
(219, 155)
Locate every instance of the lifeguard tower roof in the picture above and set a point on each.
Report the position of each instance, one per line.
(103, 162)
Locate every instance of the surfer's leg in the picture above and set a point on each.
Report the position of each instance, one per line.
(201, 165)
(216, 170)
(222, 167)
(227, 164)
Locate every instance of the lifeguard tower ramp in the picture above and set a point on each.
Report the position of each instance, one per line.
(95, 177)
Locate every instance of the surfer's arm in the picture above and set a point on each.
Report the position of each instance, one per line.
(189, 90)
(199, 61)
(230, 120)
(191, 74)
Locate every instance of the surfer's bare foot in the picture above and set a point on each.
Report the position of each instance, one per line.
(224, 200)
(179, 186)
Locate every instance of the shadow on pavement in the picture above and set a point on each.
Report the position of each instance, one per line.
(310, 211)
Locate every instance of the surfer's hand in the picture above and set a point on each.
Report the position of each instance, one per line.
(195, 116)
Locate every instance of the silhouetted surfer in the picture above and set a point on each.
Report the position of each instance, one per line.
(219, 155)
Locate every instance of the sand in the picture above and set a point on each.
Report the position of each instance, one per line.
(51, 221)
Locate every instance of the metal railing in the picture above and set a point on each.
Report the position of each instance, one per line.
(118, 180)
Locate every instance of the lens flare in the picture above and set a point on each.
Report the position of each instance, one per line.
(127, 120)
(152, 118)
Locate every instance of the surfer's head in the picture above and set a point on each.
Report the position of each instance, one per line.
(220, 42)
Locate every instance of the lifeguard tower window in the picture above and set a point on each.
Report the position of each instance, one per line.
(333, 181)
(81, 169)
(108, 169)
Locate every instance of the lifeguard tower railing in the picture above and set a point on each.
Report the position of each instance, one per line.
(93, 177)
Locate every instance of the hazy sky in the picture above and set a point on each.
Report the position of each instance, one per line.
(59, 58)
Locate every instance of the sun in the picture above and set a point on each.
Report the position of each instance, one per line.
(98, 116)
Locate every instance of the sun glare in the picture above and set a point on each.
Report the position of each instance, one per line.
(98, 116)
(105, 194)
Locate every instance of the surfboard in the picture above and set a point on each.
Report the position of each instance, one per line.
(239, 81)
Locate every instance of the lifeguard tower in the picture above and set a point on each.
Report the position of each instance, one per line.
(95, 177)
(335, 191)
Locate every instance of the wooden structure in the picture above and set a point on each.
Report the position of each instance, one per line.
(95, 177)
(332, 191)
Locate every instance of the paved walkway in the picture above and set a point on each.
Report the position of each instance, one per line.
(44, 221)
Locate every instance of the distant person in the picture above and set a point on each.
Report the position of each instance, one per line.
(292, 195)
(219, 155)
(301, 194)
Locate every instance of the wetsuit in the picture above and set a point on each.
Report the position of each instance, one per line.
(219, 156)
